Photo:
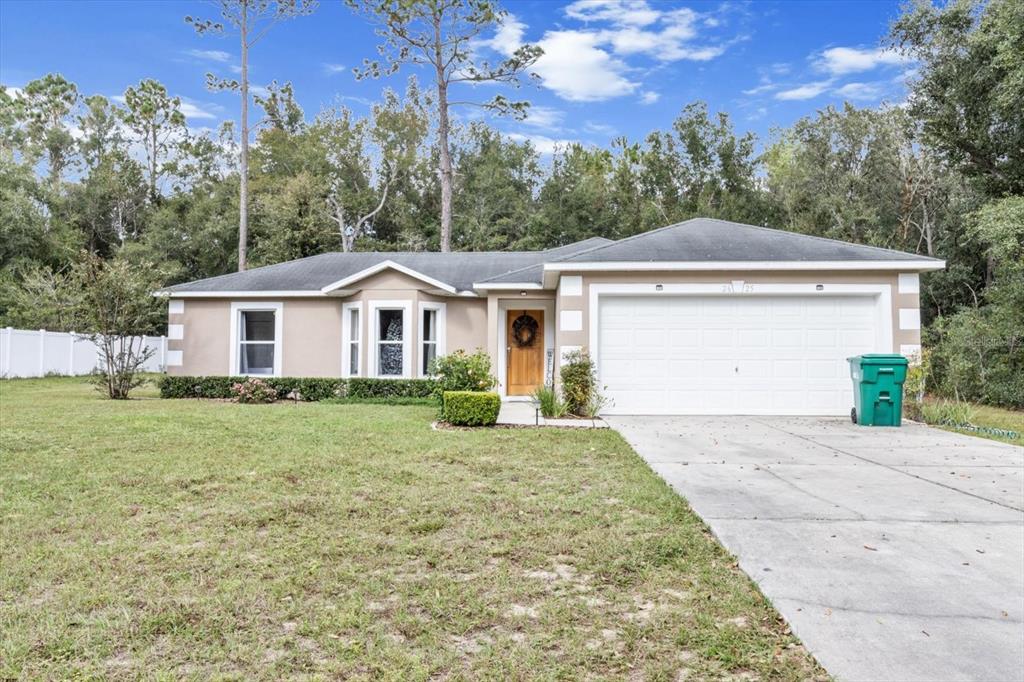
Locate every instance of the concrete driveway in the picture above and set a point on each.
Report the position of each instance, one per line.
(895, 554)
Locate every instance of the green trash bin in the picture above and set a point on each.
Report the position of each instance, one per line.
(877, 389)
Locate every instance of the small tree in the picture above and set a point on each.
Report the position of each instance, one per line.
(441, 35)
(113, 301)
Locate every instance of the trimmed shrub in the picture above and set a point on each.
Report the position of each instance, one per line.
(380, 401)
(253, 391)
(307, 388)
(462, 371)
(360, 388)
(470, 408)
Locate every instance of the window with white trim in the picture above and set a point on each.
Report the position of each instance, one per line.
(428, 346)
(390, 342)
(257, 342)
(352, 341)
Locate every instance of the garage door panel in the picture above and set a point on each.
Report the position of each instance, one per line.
(741, 355)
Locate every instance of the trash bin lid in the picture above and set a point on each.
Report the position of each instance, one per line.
(882, 359)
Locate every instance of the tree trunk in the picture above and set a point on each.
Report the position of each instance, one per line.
(442, 140)
(243, 177)
(152, 163)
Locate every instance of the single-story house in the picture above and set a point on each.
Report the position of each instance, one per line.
(702, 317)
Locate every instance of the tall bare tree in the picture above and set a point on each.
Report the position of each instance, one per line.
(157, 121)
(250, 19)
(442, 35)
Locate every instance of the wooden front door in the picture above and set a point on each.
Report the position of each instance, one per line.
(524, 339)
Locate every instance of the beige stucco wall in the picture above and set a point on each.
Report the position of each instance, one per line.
(902, 337)
(311, 344)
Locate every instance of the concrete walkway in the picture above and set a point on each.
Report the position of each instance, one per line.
(524, 413)
(895, 554)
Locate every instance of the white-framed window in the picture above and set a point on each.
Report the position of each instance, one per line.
(431, 334)
(352, 335)
(390, 354)
(256, 331)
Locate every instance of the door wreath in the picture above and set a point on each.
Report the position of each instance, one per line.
(524, 331)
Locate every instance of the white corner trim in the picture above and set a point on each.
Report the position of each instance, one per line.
(442, 337)
(175, 307)
(911, 351)
(386, 265)
(346, 338)
(909, 283)
(175, 358)
(910, 318)
(373, 327)
(570, 285)
(570, 321)
(882, 293)
(236, 319)
(176, 331)
(563, 351)
(906, 265)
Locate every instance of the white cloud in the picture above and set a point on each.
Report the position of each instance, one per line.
(805, 91)
(839, 61)
(761, 89)
(193, 111)
(588, 64)
(543, 117)
(578, 70)
(623, 12)
(259, 90)
(599, 129)
(543, 144)
(860, 91)
(649, 97)
(332, 69)
(210, 55)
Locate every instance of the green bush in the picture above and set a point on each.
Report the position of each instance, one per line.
(462, 371)
(551, 406)
(311, 389)
(579, 385)
(253, 391)
(397, 400)
(470, 408)
(360, 388)
(948, 412)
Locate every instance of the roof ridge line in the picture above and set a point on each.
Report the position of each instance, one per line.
(616, 242)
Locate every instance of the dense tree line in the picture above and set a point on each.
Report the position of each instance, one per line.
(942, 176)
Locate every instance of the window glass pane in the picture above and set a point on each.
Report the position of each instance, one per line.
(257, 358)
(353, 358)
(429, 352)
(429, 325)
(257, 325)
(389, 362)
(390, 325)
(353, 324)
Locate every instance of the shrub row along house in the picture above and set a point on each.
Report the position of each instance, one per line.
(701, 317)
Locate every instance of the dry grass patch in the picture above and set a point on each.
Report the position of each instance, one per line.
(197, 539)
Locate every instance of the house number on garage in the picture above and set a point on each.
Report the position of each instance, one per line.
(737, 286)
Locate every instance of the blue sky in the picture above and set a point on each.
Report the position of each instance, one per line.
(611, 67)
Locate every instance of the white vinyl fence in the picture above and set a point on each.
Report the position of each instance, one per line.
(27, 353)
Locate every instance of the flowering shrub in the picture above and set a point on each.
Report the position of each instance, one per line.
(253, 391)
(462, 371)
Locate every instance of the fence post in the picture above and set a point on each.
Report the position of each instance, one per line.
(5, 361)
(42, 351)
(71, 353)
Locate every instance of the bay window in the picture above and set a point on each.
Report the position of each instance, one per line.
(351, 334)
(390, 349)
(432, 334)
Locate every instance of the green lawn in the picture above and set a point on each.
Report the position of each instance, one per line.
(994, 417)
(172, 539)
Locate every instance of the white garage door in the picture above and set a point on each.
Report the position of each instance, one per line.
(732, 354)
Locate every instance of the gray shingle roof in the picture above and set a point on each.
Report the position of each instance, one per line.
(460, 269)
(696, 240)
(708, 239)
